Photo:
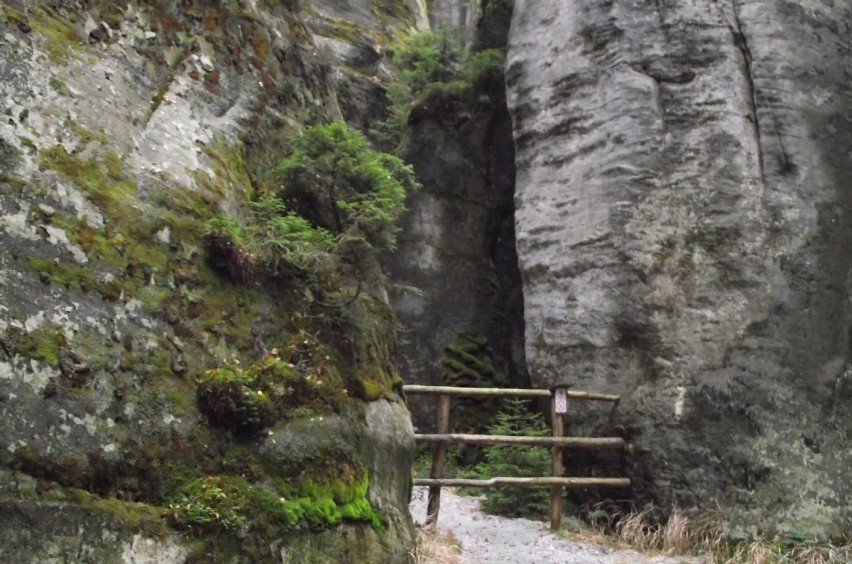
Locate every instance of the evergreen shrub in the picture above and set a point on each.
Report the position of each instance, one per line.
(516, 461)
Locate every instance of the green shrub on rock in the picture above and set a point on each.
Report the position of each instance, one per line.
(332, 198)
(338, 183)
(428, 57)
(273, 242)
(439, 79)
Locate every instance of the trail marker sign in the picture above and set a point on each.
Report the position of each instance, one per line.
(561, 401)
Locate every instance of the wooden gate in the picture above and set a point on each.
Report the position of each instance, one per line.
(557, 443)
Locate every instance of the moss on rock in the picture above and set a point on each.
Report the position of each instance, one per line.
(131, 438)
(229, 503)
(42, 343)
(257, 396)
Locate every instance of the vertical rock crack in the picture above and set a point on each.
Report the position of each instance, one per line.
(741, 43)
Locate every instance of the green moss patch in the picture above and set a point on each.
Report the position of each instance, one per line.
(61, 42)
(101, 178)
(14, 182)
(14, 16)
(131, 516)
(229, 503)
(62, 274)
(230, 177)
(41, 343)
(64, 470)
(128, 242)
(277, 388)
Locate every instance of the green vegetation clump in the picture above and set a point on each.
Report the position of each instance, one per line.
(333, 197)
(428, 58)
(516, 461)
(42, 343)
(337, 182)
(229, 503)
(274, 241)
(468, 362)
(439, 79)
(257, 396)
(246, 399)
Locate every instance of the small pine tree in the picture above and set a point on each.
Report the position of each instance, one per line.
(516, 461)
(337, 182)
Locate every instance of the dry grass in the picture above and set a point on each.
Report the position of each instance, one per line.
(435, 547)
(684, 535)
(763, 552)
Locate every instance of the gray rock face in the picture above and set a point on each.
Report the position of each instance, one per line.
(53, 532)
(105, 134)
(684, 198)
(454, 275)
(460, 15)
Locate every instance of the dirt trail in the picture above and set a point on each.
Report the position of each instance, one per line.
(489, 539)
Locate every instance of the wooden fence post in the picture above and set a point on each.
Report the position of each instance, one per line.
(438, 458)
(556, 410)
(558, 442)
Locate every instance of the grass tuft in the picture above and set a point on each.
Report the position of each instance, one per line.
(705, 536)
(435, 547)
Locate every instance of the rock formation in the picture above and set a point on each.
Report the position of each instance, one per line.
(126, 127)
(455, 285)
(683, 227)
(682, 204)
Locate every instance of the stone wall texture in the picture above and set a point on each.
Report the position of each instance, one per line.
(125, 126)
(684, 231)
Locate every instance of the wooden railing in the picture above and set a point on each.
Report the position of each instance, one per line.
(557, 443)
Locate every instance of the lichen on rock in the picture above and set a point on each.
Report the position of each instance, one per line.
(126, 357)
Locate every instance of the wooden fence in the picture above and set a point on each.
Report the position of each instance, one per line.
(557, 442)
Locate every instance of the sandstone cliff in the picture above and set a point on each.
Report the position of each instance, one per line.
(455, 285)
(683, 228)
(127, 127)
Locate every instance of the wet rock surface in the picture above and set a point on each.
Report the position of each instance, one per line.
(683, 204)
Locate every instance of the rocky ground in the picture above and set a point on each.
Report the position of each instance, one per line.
(490, 539)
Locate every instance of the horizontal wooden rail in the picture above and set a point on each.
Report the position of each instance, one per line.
(473, 392)
(564, 482)
(558, 408)
(503, 392)
(565, 442)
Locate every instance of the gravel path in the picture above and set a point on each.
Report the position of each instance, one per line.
(489, 539)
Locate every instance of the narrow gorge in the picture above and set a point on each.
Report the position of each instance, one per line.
(231, 230)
